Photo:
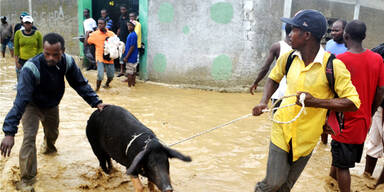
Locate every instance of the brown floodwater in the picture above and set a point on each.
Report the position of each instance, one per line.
(232, 158)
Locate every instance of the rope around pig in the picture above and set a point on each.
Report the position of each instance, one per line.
(301, 100)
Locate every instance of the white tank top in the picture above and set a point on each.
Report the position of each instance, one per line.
(284, 48)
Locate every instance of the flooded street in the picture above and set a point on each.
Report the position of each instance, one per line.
(229, 159)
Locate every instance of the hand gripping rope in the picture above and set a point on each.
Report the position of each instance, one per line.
(273, 108)
(301, 100)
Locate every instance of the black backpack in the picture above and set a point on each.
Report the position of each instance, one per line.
(379, 49)
(329, 73)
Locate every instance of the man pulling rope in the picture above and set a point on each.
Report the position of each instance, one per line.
(301, 101)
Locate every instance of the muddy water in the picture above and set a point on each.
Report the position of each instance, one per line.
(232, 158)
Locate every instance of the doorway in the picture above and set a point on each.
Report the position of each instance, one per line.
(113, 9)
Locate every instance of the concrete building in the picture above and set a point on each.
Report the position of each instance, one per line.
(206, 44)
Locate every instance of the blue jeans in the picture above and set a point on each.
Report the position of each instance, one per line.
(110, 69)
(5, 43)
(281, 174)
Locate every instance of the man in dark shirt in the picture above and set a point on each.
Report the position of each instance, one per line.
(39, 91)
(19, 25)
(104, 14)
(122, 33)
(6, 34)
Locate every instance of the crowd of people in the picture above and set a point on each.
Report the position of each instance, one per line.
(24, 41)
(343, 86)
(128, 30)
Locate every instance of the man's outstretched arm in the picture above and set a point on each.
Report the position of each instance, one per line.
(273, 54)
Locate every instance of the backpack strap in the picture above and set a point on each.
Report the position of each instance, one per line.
(289, 62)
(68, 62)
(31, 66)
(330, 74)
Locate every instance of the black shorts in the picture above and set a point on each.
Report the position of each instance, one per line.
(346, 155)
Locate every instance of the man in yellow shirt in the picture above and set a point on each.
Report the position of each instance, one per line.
(133, 19)
(292, 144)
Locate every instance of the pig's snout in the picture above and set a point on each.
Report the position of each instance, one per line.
(168, 188)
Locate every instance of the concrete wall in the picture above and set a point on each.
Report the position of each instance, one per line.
(210, 43)
(223, 43)
(49, 16)
(373, 18)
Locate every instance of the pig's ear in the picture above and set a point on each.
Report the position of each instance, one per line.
(136, 161)
(175, 154)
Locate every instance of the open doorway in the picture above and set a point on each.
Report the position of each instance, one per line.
(113, 8)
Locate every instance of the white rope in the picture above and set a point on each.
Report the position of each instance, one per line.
(302, 98)
(209, 130)
(273, 108)
(130, 142)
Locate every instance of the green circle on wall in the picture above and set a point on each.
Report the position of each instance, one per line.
(222, 12)
(159, 63)
(165, 12)
(221, 68)
(186, 30)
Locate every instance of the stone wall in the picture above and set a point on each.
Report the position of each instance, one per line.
(49, 16)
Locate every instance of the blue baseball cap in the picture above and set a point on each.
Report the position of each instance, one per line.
(309, 20)
(23, 14)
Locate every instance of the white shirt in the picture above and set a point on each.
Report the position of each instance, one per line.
(284, 48)
(89, 24)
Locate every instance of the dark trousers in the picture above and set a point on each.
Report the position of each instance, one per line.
(282, 173)
(27, 157)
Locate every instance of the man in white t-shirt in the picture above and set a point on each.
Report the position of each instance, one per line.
(89, 23)
(277, 49)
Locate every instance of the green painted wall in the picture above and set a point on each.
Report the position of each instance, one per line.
(81, 5)
(143, 17)
(166, 12)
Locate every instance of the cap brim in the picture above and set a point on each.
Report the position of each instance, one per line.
(289, 21)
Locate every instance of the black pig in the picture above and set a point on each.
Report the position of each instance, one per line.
(115, 133)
